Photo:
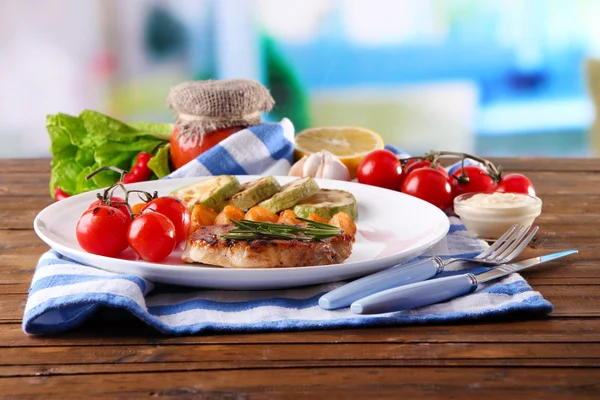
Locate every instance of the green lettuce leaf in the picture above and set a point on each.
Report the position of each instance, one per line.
(160, 130)
(82, 144)
(64, 175)
(58, 127)
(159, 164)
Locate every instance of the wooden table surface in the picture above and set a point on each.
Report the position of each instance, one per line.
(555, 357)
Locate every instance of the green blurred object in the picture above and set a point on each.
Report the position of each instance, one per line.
(291, 99)
(82, 144)
(164, 35)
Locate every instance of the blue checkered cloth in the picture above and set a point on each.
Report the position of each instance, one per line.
(64, 293)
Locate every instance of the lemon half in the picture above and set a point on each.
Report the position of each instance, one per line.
(349, 143)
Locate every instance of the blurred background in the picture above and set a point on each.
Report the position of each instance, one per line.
(494, 77)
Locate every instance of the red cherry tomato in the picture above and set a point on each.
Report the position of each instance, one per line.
(516, 183)
(113, 199)
(428, 184)
(184, 150)
(152, 236)
(176, 211)
(411, 166)
(380, 168)
(478, 181)
(102, 230)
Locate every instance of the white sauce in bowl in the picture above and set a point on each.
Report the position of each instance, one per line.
(489, 215)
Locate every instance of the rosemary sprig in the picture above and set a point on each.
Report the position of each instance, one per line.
(251, 230)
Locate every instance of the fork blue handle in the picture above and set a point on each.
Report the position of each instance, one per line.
(403, 274)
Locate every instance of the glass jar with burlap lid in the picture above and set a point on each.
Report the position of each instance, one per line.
(205, 106)
(210, 111)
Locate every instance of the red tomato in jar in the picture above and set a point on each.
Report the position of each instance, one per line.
(428, 184)
(102, 230)
(411, 166)
(478, 181)
(184, 150)
(381, 168)
(175, 210)
(515, 183)
(152, 236)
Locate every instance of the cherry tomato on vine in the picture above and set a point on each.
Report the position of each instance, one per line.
(102, 230)
(411, 166)
(175, 210)
(152, 236)
(381, 168)
(428, 184)
(478, 181)
(516, 183)
(113, 199)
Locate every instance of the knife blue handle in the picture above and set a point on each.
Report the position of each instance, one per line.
(415, 295)
(377, 282)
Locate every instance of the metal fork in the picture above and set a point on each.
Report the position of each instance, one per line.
(506, 248)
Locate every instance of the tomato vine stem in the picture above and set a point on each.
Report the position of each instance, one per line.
(495, 172)
(109, 191)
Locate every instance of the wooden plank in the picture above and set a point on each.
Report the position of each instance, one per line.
(14, 288)
(19, 241)
(544, 244)
(526, 164)
(31, 176)
(18, 165)
(12, 307)
(29, 203)
(338, 353)
(557, 183)
(78, 369)
(36, 190)
(17, 268)
(571, 204)
(572, 300)
(310, 383)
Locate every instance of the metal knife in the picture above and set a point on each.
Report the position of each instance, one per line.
(437, 290)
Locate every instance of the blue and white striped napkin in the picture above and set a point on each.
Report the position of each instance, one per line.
(64, 293)
(265, 149)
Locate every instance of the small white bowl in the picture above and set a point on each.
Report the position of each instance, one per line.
(489, 215)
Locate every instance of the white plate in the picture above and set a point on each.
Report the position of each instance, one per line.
(392, 227)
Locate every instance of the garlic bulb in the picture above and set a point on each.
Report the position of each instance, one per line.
(322, 165)
(297, 168)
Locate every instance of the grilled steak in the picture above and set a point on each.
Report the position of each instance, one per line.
(207, 246)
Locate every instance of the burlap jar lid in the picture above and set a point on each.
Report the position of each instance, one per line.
(203, 106)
